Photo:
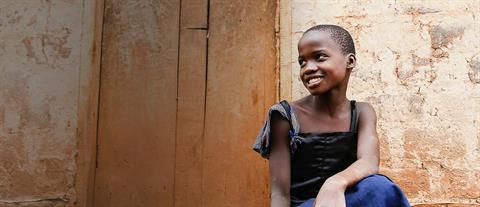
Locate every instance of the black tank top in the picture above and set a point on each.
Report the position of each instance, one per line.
(318, 156)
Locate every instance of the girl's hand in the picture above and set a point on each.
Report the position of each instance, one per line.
(332, 194)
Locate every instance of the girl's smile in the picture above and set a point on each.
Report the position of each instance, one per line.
(314, 81)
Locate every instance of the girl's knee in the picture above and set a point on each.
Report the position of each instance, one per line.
(376, 183)
(378, 189)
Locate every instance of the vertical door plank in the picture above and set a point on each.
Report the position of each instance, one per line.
(88, 103)
(137, 113)
(191, 102)
(241, 86)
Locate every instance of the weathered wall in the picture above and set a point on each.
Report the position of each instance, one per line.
(419, 65)
(46, 58)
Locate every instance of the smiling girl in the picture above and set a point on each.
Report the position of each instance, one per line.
(323, 149)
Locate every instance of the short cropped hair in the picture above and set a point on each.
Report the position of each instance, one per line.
(338, 34)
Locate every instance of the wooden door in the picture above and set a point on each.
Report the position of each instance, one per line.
(185, 86)
(137, 109)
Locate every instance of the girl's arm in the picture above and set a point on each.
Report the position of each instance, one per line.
(367, 151)
(279, 162)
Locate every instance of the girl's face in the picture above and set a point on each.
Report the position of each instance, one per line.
(323, 65)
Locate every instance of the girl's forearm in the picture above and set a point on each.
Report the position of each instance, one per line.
(355, 172)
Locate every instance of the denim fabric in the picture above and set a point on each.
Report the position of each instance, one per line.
(373, 191)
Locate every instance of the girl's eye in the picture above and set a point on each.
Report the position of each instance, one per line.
(301, 62)
(320, 57)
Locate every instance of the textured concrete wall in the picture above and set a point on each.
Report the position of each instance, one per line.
(419, 65)
(42, 51)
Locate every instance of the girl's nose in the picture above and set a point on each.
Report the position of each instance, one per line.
(310, 66)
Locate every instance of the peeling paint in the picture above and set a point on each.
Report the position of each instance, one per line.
(442, 37)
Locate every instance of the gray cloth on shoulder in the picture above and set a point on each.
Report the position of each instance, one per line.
(263, 141)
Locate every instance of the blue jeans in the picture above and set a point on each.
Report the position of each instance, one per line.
(373, 191)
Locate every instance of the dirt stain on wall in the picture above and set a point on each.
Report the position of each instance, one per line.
(474, 71)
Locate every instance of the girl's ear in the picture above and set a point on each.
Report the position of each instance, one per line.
(351, 61)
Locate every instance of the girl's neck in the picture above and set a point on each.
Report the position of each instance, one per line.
(332, 103)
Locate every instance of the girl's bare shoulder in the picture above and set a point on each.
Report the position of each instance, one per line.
(366, 109)
(300, 104)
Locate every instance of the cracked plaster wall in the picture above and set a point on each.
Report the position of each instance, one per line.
(419, 65)
(40, 61)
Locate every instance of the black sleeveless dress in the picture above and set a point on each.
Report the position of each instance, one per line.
(319, 156)
(314, 156)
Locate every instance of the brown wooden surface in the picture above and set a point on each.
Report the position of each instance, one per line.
(88, 103)
(191, 103)
(240, 87)
(185, 143)
(137, 111)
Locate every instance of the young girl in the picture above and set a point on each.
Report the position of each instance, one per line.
(323, 149)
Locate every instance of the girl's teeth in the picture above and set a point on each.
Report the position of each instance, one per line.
(313, 80)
